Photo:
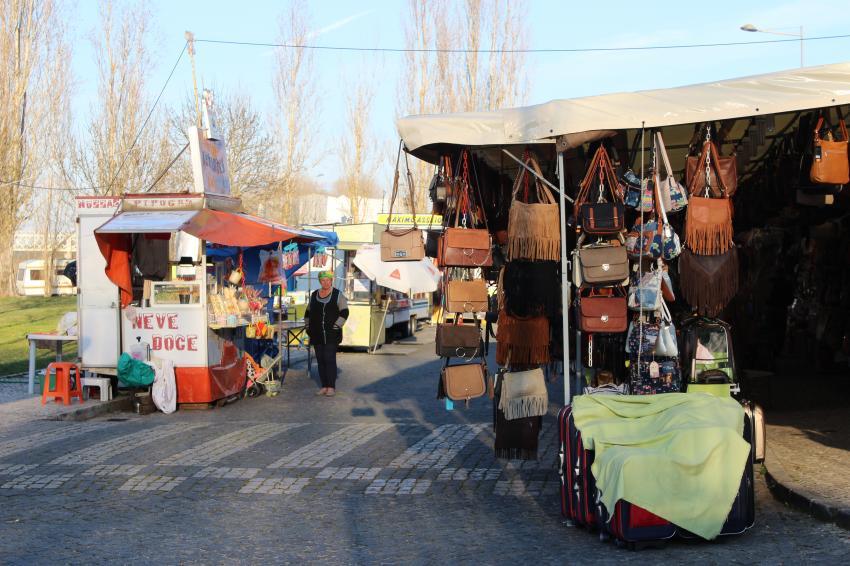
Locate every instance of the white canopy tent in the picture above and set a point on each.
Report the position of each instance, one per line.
(572, 122)
(772, 93)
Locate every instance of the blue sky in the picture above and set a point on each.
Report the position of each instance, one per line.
(551, 24)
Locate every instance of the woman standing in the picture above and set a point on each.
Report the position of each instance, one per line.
(326, 314)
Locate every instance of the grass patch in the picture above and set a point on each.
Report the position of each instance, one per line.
(20, 316)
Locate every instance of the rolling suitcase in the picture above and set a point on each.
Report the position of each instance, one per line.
(578, 488)
(742, 516)
(634, 527)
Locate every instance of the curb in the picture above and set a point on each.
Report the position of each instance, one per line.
(86, 413)
(784, 489)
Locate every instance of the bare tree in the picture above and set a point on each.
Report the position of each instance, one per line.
(34, 85)
(356, 151)
(446, 81)
(252, 156)
(107, 159)
(297, 102)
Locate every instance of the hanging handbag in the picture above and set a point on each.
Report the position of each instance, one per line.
(465, 247)
(602, 265)
(721, 178)
(708, 225)
(533, 227)
(641, 338)
(463, 382)
(531, 288)
(523, 394)
(600, 218)
(669, 243)
(458, 340)
(666, 345)
(830, 165)
(646, 294)
(402, 245)
(466, 296)
(603, 313)
(674, 196)
(638, 197)
(522, 340)
(461, 246)
(708, 283)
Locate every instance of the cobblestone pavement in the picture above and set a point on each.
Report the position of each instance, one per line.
(379, 473)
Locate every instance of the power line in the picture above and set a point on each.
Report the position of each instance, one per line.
(126, 154)
(145, 123)
(554, 50)
(167, 167)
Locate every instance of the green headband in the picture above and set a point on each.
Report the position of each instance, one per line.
(326, 275)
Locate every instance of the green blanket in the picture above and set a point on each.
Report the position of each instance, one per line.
(680, 456)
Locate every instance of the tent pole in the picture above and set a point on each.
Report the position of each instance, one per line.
(565, 281)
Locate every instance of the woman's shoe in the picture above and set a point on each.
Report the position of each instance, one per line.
(330, 392)
(322, 391)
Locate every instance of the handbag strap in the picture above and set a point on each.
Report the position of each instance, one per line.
(601, 168)
(662, 151)
(709, 158)
(395, 184)
(543, 194)
(841, 124)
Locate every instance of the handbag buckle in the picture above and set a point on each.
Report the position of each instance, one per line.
(606, 266)
(604, 318)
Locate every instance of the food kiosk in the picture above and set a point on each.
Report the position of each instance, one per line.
(163, 273)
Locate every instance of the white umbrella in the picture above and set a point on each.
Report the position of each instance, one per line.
(404, 276)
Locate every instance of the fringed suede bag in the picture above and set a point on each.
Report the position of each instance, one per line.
(524, 394)
(708, 283)
(530, 288)
(708, 225)
(533, 227)
(522, 340)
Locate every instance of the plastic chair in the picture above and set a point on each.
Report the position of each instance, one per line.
(62, 387)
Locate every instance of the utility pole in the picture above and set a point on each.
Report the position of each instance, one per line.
(190, 47)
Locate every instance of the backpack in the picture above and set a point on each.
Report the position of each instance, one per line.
(705, 345)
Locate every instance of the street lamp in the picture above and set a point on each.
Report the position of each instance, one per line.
(751, 27)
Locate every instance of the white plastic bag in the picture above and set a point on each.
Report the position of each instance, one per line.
(164, 388)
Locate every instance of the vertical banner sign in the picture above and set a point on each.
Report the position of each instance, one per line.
(209, 164)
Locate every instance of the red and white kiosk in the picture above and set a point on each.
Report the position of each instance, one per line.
(172, 314)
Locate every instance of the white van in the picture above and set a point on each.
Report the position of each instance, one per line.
(31, 277)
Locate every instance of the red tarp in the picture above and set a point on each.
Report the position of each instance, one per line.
(217, 227)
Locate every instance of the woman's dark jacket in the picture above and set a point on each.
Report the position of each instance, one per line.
(325, 320)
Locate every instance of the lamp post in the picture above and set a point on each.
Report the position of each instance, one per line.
(752, 28)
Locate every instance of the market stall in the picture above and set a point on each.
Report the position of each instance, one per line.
(183, 287)
(622, 227)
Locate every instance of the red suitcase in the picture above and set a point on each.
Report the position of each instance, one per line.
(578, 488)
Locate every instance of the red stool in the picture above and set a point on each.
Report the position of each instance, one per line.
(62, 388)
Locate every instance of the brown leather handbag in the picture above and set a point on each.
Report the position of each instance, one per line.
(402, 245)
(830, 165)
(465, 247)
(458, 340)
(708, 225)
(466, 296)
(721, 174)
(603, 313)
(533, 227)
(464, 381)
(596, 215)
